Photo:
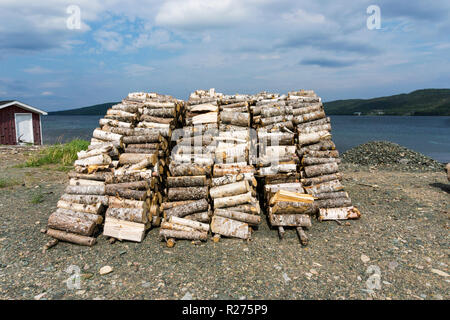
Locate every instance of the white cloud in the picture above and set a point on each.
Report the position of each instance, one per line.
(137, 70)
(37, 70)
(198, 14)
(109, 40)
(47, 93)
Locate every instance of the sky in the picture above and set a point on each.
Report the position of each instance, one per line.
(52, 60)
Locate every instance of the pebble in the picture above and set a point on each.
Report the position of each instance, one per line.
(105, 270)
(80, 292)
(393, 265)
(439, 272)
(365, 258)
(187, 296)
(39, 296)
(286, 277)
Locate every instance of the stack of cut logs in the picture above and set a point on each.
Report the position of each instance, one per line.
(319, 159)
(286, 204)
(134, 195)
(139, 165)
(187, 210)
(80, 210)
(233, 187)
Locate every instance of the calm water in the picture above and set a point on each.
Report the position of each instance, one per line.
(428, 135)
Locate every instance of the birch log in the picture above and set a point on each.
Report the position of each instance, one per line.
(287, 207)
(91, 190)
(186, 209)
(234, 200)
(321, 169)
(310, 138)
(188, 169)
(189, 193)
(71, 224)
(193, 235)
(96, 218)
(128, 214)
(329, 186)
(251, 219)
(339, 213)
(231, 189)
(71, 237)
(230, 228)
(290, 220)
(101, 159)
(89, 208)
(190, 223)
(235, 118)
(115, 202)
(85, 199)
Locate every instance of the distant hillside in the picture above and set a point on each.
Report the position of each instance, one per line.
(427, 102)
(95, 110)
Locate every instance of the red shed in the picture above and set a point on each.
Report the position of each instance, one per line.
(20, 123)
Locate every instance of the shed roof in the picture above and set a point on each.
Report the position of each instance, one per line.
(7, 103)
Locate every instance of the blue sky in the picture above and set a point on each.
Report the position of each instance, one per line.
(174, 47)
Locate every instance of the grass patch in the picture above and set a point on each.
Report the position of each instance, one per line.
(37, 198)
(62, 154)
(8, 182)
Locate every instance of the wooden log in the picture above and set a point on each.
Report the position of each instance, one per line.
(190, 223)
(170, 205)
(329, 186)
(210, 117)
(281, 232)
(278, 151)
(280, 168)
(144, 163)
(127, 193)
(310, 138)
(308, 109)
(230, 228)
(153, 125)
(151, 146)
(331, 195)
(187, 181)
(323, 154)
(287, 207)
(128, 214)
(311, 129)
(85, 199)
(115, 202)
(275, 120)
(89, 208)
(85, 182)
(333, 203)
(189, 193)
(132, 108)
(115, 123)
(71, 224)
(234, 200)
(164, 132)
(251, 219)
(121, 114)
(314, 123)
(157, 104)
(227, 169)
(339, 213)
(107, 136)
(188, 169)
(186, 209)
(81, 215)
(231, 189)
(201, 140)
(91, 190)
(135, 185)
(290, 186)
(71, 237)
(289, 196)
(152, 119)
(98, 176)
(95, 152)
(322, 145)
(177, 227)
(227, 179)
(309, 116)
(101, 159)
(204, 107)
(142, 138)
(275, 138)
(193, 235)
(235, 105)
(124, 230)
(269, 112)
(199, 216)
(235, 118)
(310, 161)
(289, 220)
(247, 208)
(134, 158)
(321, 169)
(282, 178)
(199, 159)
(302, 236)
(161, 112)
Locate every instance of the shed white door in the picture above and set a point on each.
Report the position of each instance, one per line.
(24, 128)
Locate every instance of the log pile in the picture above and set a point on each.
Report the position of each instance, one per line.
(135, 194)
(233, 186)
(189, 175)
(319, 157)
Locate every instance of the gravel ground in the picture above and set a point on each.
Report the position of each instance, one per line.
(390, 156)
(401, 240)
